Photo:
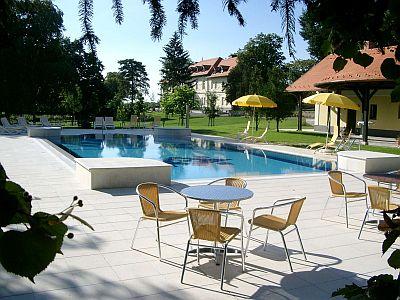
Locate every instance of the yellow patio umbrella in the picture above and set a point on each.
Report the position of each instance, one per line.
(332, 100)
(254, 101)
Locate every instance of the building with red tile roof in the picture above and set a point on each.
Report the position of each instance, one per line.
(366, 86)
(210, 75)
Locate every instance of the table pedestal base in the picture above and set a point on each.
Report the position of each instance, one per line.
(217, 252)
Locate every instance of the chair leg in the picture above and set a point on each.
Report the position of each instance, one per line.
(198, 252)
(248, 240)
(286, 251)
(223, 266)
(134, 235)
(185, 260)
(362, 225)
(266, 240)
(158, 240)
(242, 250)
(301, 242)
(347, 214)
(326, 204)
(188, 223)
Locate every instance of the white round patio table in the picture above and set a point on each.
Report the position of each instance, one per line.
(217, 194)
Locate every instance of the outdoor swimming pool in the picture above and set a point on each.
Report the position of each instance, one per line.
(193, 158)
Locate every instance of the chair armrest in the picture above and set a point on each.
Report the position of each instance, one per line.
(212, 182)
(276, 204)
(174, 191)
(357, 178)
(236, 215)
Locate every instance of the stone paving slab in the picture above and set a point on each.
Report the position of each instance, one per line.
(101, 265)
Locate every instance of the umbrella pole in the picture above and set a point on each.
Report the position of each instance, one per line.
(252, 128)
(327, 128)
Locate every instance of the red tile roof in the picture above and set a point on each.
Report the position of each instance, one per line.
(323, 74)
(224, 67)
(204, 67)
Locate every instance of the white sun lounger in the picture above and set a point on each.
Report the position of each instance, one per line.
(98, 123)
(109, 123)
(45, 122)
(11, 127)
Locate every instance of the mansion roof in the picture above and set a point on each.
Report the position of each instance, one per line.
(214, 67)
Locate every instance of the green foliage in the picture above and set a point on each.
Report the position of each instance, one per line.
(134, 72)
(89, 91)
(383, 286)
(175, 64)
(28, 252)
(211, 110)
(34, 66)
(261, 70)
(176, 101)
(118, 89)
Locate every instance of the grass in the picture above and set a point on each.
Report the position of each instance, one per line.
(231, 126)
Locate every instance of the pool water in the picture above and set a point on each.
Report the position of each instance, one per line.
(193, 158)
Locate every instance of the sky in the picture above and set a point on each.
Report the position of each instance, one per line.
(218, 34)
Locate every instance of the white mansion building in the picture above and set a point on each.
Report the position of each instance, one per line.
(210, 75)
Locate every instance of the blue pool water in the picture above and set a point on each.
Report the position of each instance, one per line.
(193, 158)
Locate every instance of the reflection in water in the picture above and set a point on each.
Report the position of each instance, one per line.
(192, 158)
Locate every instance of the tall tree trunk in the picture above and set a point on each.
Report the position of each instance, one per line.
(277, 125)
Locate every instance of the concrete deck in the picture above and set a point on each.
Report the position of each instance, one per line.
(101, 265)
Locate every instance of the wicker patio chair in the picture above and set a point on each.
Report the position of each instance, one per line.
(150, 203)
(230, 181)
(206, 225)
(272, 222)
(380, 200)
(338, 190)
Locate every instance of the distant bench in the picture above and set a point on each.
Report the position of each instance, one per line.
(103, 173)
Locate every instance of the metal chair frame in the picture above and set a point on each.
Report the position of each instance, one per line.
(156, 216)
(371, 210)
(276, 204)
(215, 247)
(346, 201)
(224, 179)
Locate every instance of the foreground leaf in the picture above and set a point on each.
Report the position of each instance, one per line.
(27, 253)
(350, 292)
(391, 237)
(394, 259)
(339, 63)
(15, 208)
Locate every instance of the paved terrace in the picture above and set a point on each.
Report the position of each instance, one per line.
(101, 265)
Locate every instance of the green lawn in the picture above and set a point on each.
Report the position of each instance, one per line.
(231, 126)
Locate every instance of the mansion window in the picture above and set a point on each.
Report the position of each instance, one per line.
(373, 110)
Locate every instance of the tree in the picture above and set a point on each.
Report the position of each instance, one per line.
(34, 66)
(175, 64)
(261, 70)
(89, 89)
(314, 33)
(177, 100)
(135, 73)
(211, 109)
(255, 61)
(118, 89)
(380, 20)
